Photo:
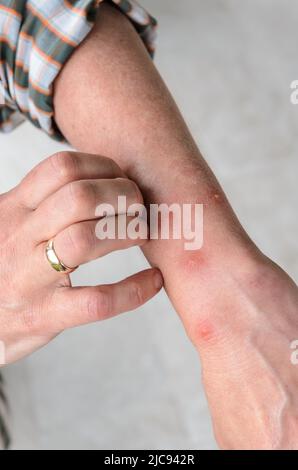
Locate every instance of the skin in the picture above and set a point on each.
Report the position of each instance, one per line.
(238, 308)
(57, 199)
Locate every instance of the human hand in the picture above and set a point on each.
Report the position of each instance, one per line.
(58, 199)
(242, 322)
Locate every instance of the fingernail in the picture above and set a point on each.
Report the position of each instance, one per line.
(158, 280)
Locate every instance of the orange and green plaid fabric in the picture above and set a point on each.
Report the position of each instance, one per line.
(36, 39)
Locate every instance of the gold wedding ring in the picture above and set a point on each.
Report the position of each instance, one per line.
(54, 261)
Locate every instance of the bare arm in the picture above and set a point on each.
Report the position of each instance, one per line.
(109, 99)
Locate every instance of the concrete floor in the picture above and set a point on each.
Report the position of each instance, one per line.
(134, 382)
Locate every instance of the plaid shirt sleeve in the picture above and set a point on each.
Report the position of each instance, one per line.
(36, 39)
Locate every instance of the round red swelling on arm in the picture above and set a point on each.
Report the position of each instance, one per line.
(205, 331)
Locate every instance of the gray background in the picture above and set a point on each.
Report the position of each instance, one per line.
(134, 381)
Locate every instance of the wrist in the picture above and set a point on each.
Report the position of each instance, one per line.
(214, 294)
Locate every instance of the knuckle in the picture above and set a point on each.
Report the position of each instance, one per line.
(65, 165)
(131, 189)
(81, 238)
(136, 294)
(81, 195)
(99, 305)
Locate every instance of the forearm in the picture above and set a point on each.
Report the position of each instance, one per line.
(110, 99)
